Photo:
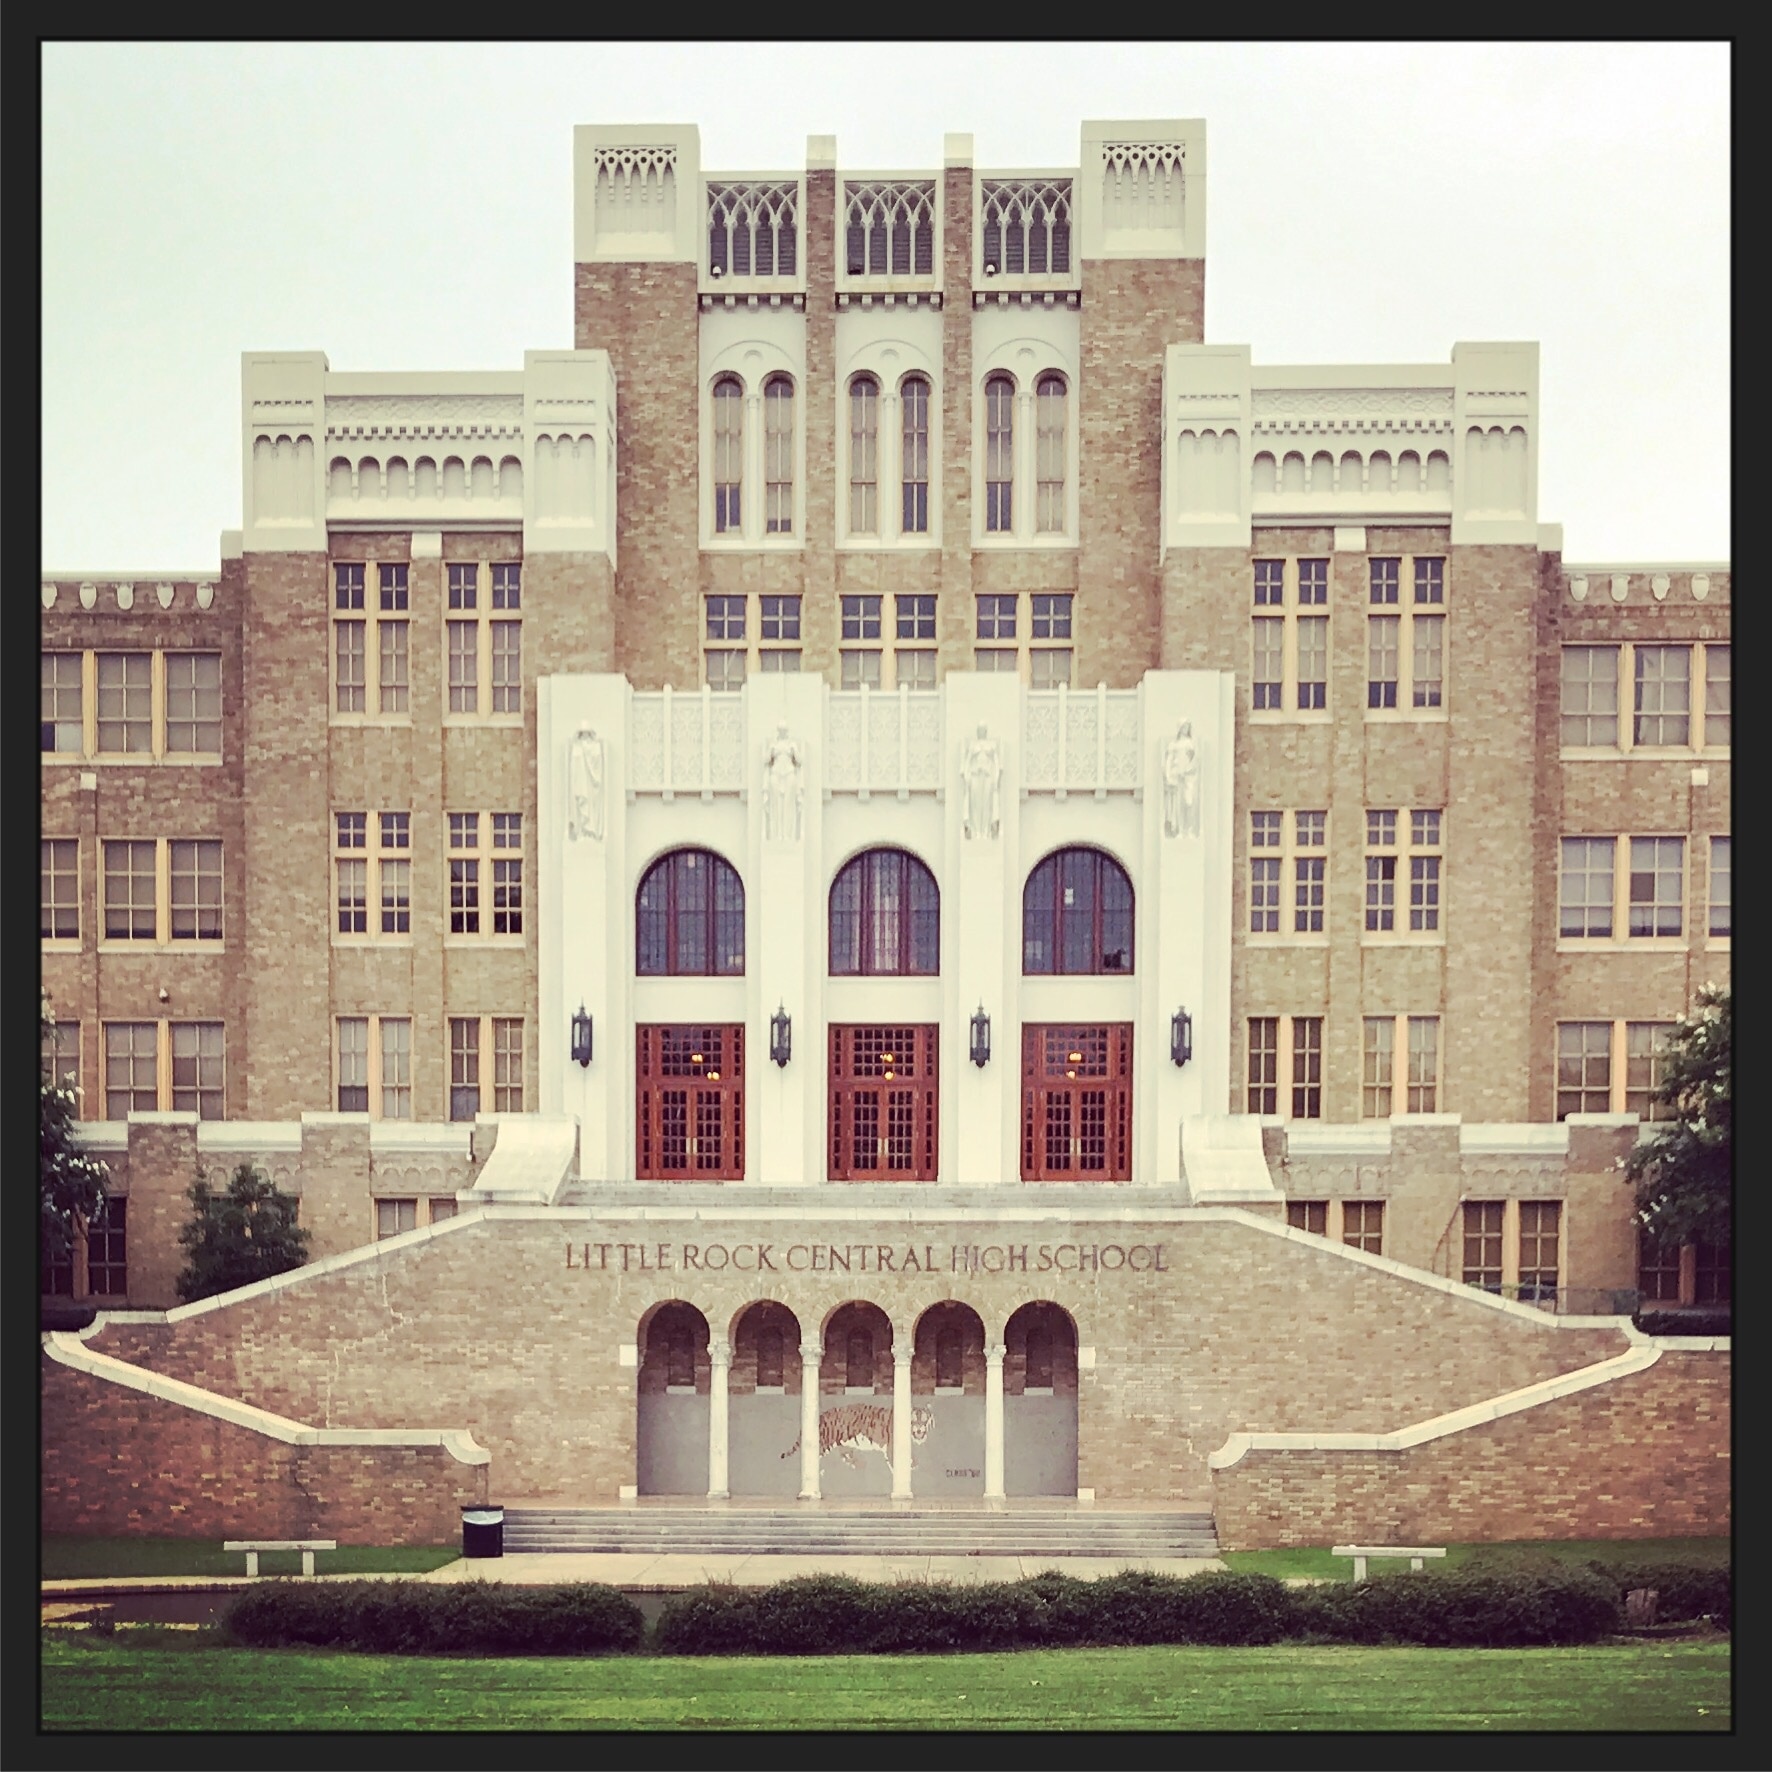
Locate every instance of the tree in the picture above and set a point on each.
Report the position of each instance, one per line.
(243, 1234)
(70, 1184)
(1683, 1174)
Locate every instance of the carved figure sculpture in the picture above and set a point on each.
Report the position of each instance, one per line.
(783, 793)
(982, 779)
(584, 785)
(1181, 783)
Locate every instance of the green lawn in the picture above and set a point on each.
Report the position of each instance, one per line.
(68, 1558)
(1317, 1561)
(169, 1680)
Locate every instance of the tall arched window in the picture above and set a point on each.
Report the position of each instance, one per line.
(864, 465)
(690, 917)
(1049, 455)
(885, 916)
(728, 454)
(999, 453)
(1076, 914)
(778, 456)
(914, 470)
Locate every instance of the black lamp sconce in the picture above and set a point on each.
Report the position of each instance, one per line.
(1181, 1037)
(781, 1036)
(981, 1038)
(581, 1036)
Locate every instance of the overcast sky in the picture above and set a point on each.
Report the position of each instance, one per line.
(409, 208)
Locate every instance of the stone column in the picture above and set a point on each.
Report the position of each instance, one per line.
(993, 1421)
(720, 1354)
(901, 1424)
(811, 1352)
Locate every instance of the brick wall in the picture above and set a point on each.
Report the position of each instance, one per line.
(119, 1462)
(484, 1325)
(1646, 1456)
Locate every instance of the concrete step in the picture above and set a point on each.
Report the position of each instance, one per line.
(860, 1533)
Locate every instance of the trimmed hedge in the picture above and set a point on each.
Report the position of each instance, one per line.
(1686, 1590)
(1464, 1608)
(1692, 1320)
(426, 1618)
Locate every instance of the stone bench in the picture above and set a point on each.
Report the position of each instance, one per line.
(307, 1547)
(1360, 1552)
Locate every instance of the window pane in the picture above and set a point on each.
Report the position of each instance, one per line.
(1584, 895)
(1656, 879)
(129, 892)
(1429, 664)
(1049, 456)
(1716, 695)
(1584, 1068)
(1720, 885)
(464, 1067)
(1313, 661)
(1590, 695)
(999, 453)
(125, 702)
(392, 638)
(778, 456)
(396, 1068)
(59, 890)
(131, 1068)
(353, 1064)
(197, 1063)
(914, 411)
(196, 876)
(349, 666)
(1376, 1039)
(507, 667)
(59, 710)
(728, 455)
(1663, 695)
(193, 702)
(464, 667)
(864, 474)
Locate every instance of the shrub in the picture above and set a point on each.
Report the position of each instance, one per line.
(1685, 1590)
(1216, 1607)
(1465, 1608)
(1694, 1320)
(708, 1621)
(421, 1618)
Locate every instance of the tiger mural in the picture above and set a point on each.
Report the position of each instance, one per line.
(853, 1425)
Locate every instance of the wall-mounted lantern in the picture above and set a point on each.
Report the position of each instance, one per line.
(581, 1036)
(781, 1035)
(1181, 1037)
(981, 1038)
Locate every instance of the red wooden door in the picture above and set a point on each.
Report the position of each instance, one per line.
(884, 1094)
(1076, 1120)
(691, 1103)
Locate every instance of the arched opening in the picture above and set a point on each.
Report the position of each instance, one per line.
(1040, 1402)
(885, 916)
(671, 1433)
(948, 1381)
(855, 1402)
(689, 917)
(1076, 914)
(763, 1408)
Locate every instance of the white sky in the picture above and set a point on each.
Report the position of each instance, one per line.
(410, 207)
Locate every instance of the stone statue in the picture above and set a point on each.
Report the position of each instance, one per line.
(584, 785)
(1181, 783)
(981, 776)
(783, 793)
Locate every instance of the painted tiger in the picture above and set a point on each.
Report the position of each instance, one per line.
(853, 1425)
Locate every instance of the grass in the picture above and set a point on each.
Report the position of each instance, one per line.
(68, 1558)
(1317, 1562)
(184, 1681)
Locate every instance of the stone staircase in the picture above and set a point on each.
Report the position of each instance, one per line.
(860, 1532)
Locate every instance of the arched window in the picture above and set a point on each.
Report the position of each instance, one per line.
(1076, 915)
(999, 453)
(914, 476)
(1049, 455)
(691, 917)
(778, 455)
(864, 467)
(728, 454)
(885, 916)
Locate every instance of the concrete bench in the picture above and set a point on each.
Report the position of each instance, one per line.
(1360, 1552)
(307, 1547)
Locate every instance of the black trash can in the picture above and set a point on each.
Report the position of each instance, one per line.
(482, 1531)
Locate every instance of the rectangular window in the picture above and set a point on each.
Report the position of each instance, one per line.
(198, 1065)
(1711, 1280)
(781, 659)
(125, 703)
(1269, 670)
(507, 584)
(1663, 704)
(725, 618)
(1584, 1068)
(915, 617)
(392, 576)
(394, 1218)
(1721, 888)
(1658, 1270)
(781, 619)
(463, 578)
(353, 1064)
(1307, 1067)
(350, 667)
(996, 617)
(1313, 662)
(1383, 640)
(507, 1064)
(1313, 582)
(464, 1067)
(1384, 578)
(464, 666)
(1270, 583)
(1589, 704)
(130, 910)
(107, 1249)
(861, 618)
(464, 873)
(914, 668)
(132, 1068)
(1377, 1065)
(1415, 851)
(347, 586)
(1264, 872)
(1051, 615)
(507, 873)
(195, 879)
(444, 1208)
(725, 668)
(1263, 1095)
(1483, 1220)
(1423, 1036)
(193, 703)
(1362, 1225)
(1646, 1053)
(62, 722)
(1657, 885)
(396, 1068)
(1308, 1215)
(1381, 871)
(391, 643)
(860, 668)
(507, 667)
(996, 658)
(1424, 872)
(1540, 1225)
(1049, 667)
(1309, 865)
(61, 1055)
(1406, 641)
(1585, 889)
(1716, 695)
(58, 896)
